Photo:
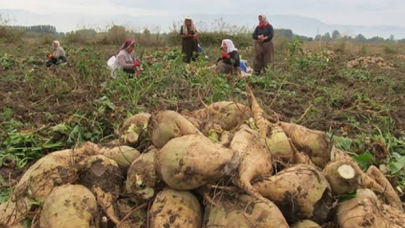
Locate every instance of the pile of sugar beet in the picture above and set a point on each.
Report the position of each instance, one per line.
(226, 165)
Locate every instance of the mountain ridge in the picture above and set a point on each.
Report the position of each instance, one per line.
(301, 25)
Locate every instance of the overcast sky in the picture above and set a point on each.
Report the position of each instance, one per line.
(347, 12)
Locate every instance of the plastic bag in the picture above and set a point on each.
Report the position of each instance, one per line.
(111, 62)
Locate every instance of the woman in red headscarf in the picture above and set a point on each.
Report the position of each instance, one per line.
(125, 59)
(263, 48)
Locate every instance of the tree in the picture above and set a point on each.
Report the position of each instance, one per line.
(117, 34)
(326, 37)
(304, 38)
(287, 33)
(146, 32)
(376, 39)
(87, 32)
(360, 38)
(336, 35)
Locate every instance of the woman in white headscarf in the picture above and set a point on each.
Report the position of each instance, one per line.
(58, 55)
(189, 35)
(263, 49)
(229, 62)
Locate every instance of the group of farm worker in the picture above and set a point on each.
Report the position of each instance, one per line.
(228, 63)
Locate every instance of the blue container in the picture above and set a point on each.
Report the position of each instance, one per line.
(242, 65)
(200, 49)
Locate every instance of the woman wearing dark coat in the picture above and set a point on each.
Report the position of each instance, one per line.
(189, 35)
(229, 62)
(263, 48)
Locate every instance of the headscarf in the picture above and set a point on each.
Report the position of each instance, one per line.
(57, 43)
(229, 44)
(127, 43)
(265, 21)
(192, 27)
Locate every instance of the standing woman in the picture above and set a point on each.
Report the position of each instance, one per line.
(125, 59)
(229, 61)
(263, 50)
(189, 35)
(58, 55)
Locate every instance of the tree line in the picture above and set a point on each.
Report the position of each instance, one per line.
(48, 29)
(360, 38)
(286, 33)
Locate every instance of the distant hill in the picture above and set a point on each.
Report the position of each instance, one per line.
(299, 25)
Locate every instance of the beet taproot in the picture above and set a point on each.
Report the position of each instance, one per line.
(243, 211)
(173, 208)
(69, 206)
(300, 191)
(168, 125)
(255, 159)
(312, 142)
(191, 161)
(142, 177)
(135, 129)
